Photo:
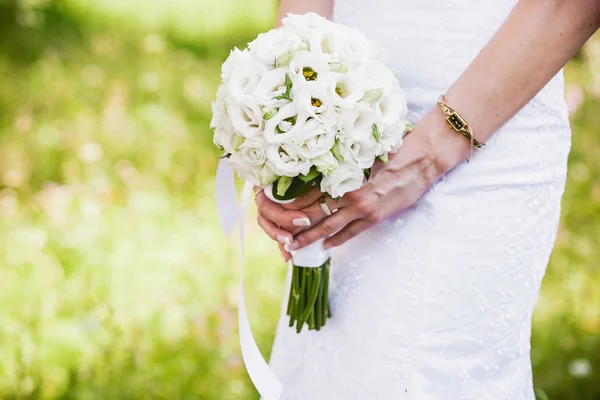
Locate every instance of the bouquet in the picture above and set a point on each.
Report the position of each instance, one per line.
(308, 104)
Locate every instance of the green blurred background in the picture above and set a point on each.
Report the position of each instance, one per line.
(115, 281)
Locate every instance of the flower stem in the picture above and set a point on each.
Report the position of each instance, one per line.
(310, 301)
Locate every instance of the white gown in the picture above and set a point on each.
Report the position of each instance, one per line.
(436, 303)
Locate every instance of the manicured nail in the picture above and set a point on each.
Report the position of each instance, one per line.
(283, 239)
(301, 221)
(327, 246)
(293, 246)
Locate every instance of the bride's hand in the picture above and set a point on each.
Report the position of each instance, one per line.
(428, 152)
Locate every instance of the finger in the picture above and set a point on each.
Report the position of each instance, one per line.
(305, 200)
(286, 255)
(287, 219)
(274, 232)
(314, 211)
(348, 232)
(323, 229)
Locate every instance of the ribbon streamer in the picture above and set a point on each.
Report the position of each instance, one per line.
(263, 378)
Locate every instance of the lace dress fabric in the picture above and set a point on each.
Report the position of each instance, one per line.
(436, 302)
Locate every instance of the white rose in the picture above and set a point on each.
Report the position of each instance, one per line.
(269, 46)
(241, 73)
(391, 138)
(350, 46)
(224, 136)
(325, 163)
(376, 75)
(286, 126)
(347, 177)
(246, 117)
(308, 26)
(317, 139)
(284, 161)
(253, 151)
(357, 122)
(362, 150)
(244, 169)
(391, 109)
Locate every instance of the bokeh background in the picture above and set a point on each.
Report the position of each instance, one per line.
(115, 281)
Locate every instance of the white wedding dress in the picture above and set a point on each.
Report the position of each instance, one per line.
(436, 303)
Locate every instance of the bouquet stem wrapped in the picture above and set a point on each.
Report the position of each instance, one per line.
(308, 301)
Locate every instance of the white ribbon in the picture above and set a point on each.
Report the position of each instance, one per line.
(265, 381)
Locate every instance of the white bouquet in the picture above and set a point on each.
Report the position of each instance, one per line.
(310, 103)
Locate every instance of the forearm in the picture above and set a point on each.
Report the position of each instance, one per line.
(533, 44)
(321, 7)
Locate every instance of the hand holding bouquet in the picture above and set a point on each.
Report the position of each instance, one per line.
(308, 104)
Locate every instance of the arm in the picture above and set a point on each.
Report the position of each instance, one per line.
(321, 7)
(533, 44)
(535, 41)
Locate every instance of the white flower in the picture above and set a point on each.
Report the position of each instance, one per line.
(267, 176)
(253, 151)
(317, 140)
(224, 137)
(376, 75)
(307, 66)
(284, 161)
(271, 84)
(244, 169)
(325, 163)
(350, 46)
(357, 122)
(391, 109)
(347, 177)
(391, 139)
(285, 126)
(240, 73)
(246, 117)
(313, 97)
(308, 26)
(269, 46)
(346, 89)
(362, 150)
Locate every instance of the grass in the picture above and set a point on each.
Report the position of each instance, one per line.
(115, 282)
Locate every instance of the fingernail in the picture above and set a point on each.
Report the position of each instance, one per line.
(293, 246)
(283, 239)
(301, 221)
(327, 246)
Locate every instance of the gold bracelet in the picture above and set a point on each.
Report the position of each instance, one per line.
(458, 123)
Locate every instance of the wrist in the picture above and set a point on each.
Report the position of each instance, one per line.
(447, 148)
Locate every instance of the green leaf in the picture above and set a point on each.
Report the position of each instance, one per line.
(336, 152)
(288, 83)
(283, 183)
(408, 127)
(541, 395)
(312, 174)
(372, 96)
(297, 188)
(338, 67)
(367, 173)
(376, 134)
(384, 158)
(269, 112)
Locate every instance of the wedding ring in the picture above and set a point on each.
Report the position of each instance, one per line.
(324, 207)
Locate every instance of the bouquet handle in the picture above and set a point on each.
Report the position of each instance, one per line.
(311, 256)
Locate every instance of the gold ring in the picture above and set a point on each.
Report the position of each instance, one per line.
(324, 207)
